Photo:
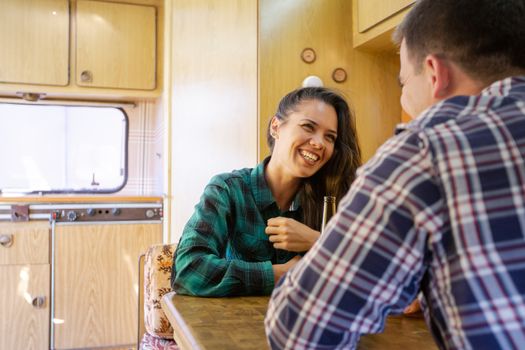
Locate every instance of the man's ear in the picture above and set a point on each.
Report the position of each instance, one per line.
(439, 74)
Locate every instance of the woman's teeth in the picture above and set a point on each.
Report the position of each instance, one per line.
(309, 156)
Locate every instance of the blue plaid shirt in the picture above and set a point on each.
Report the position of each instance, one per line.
(440, 208)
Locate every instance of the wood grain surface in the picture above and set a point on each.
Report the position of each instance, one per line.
(35, 37)
(238, 323)
(79, 199)
(235, 323)
(23, 325)
(372, 89)
(401, 333)
(96, 282)
(30, 243)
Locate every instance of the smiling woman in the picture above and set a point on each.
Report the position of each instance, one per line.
(62, 149)
(313, 110)
(251, 224)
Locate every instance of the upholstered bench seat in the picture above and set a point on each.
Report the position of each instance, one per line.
(157, 275)
(150, 342)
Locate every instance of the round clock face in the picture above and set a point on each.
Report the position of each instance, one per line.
(308, 55)
(339, 75)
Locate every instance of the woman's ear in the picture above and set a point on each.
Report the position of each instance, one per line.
(274, 127)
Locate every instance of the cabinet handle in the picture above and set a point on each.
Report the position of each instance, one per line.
(6, 240)
(86, 76)
(39, 302)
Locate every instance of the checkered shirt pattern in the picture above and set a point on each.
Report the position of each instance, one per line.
(223, 250)
(440, 209)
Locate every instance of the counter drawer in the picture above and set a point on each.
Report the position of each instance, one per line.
(24, 243)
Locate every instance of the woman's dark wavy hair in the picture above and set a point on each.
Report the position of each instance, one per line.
(336, 176)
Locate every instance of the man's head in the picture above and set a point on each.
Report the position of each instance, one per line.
(452, 47)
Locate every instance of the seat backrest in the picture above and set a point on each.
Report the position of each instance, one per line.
(157, 282)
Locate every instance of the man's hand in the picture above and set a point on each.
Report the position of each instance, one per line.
(413, 309)
(290, 234)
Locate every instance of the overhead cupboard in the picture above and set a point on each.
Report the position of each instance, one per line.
(374, 21)
(78, 45)
(115, 45)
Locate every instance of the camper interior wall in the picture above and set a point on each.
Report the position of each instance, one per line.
(145, 150)
(240, 74)
(287, 27)
(213, 84)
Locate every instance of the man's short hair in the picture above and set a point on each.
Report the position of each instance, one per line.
(485, 38)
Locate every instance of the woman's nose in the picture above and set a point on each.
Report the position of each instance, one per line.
(317, 141)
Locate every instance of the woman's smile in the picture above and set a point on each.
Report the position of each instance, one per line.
(311, 158)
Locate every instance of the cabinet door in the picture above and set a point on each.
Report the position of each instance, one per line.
(116, 45)
(34, 39)
(371, 12)
(24, 319)
(28, 242)
(96, 282)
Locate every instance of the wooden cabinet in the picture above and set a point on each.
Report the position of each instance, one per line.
(109, 48)
(374, 21)
(25, 287)
(96, 282)
(34, 39)
(115, 45)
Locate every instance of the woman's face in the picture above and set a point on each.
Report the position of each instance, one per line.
(306, 140)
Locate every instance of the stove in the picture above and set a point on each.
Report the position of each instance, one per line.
(90, 212)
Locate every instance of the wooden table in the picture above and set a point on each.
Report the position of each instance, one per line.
(238, 323)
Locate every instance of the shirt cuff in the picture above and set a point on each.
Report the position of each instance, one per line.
(268, 279)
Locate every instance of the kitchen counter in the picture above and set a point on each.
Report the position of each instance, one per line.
(78, 199)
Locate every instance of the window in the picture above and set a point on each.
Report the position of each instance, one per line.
(62, 149)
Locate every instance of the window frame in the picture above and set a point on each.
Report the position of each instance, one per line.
(86, 104)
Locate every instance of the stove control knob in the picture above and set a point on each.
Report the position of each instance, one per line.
(90, 212)
(71, 215)
(115, 211)
(150, 213)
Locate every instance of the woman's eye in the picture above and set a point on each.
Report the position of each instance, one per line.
(331, 138)
(308, 127)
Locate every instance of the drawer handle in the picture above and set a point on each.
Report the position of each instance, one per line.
(39, 302)
(6, 240)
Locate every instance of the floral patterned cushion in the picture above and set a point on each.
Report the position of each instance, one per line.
(150, 342)
(157, 276)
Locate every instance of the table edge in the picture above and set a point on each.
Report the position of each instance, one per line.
(181, 331)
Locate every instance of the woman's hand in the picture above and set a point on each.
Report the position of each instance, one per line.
(413, 309)
(280, 269)
(290, 234)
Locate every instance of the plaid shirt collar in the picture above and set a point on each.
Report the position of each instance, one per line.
(508, 87)
(261, 191)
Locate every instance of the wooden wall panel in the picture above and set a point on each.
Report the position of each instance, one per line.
(213, 86)
(286, 27)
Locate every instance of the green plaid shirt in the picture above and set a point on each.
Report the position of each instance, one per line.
(223, 250)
